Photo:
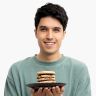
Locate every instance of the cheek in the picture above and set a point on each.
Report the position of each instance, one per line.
(40, 39)
(39, 43)
(59, 40)
(60, 37)
(40, 36)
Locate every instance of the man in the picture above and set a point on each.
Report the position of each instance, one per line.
(50, 29)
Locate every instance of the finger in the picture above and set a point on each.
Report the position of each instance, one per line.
(57, 88)
(48, 92)
(39, 92)
(53, 91)
(62, 89)
(44, 91)
(32, 90)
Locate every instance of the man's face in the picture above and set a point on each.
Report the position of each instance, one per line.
(49, 34)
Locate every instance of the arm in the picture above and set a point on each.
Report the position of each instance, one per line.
(10, 85)
(83, 88)
(10, 89)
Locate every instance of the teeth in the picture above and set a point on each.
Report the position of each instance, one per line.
(49, 43)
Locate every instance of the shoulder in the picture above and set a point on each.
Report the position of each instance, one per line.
(76, 65)
(22, 64)
(75, 62)
(78, 69)
(20, 67)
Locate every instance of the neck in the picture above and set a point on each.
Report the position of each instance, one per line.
(49, 57)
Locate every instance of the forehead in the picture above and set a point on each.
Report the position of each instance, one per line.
(49, 22)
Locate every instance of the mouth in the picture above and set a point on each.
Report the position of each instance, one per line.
(49, 44)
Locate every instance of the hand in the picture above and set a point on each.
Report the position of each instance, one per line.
(54, 91)
(40, 92)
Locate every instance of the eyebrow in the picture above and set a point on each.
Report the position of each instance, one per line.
(49, 27)
(42, 26)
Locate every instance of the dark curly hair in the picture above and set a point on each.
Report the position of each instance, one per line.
(53, 10)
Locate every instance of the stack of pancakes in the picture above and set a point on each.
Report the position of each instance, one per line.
(46, 77)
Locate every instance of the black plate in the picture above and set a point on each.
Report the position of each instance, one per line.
(36, 86)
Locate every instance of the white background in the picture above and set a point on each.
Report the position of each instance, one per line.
(17, 40)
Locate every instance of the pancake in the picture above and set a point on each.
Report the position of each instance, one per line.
(46, 77)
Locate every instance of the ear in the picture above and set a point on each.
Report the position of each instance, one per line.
(64, 33)
(35, 32)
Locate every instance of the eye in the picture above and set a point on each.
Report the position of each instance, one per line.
(43, 29)
(56, 30)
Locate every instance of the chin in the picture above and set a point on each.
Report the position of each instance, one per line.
(50, 52)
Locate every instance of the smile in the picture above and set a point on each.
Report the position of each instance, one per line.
(49, 44)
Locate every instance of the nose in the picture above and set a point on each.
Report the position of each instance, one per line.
(49, 34)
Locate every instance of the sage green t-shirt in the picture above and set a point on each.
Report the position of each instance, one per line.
(68, 70)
